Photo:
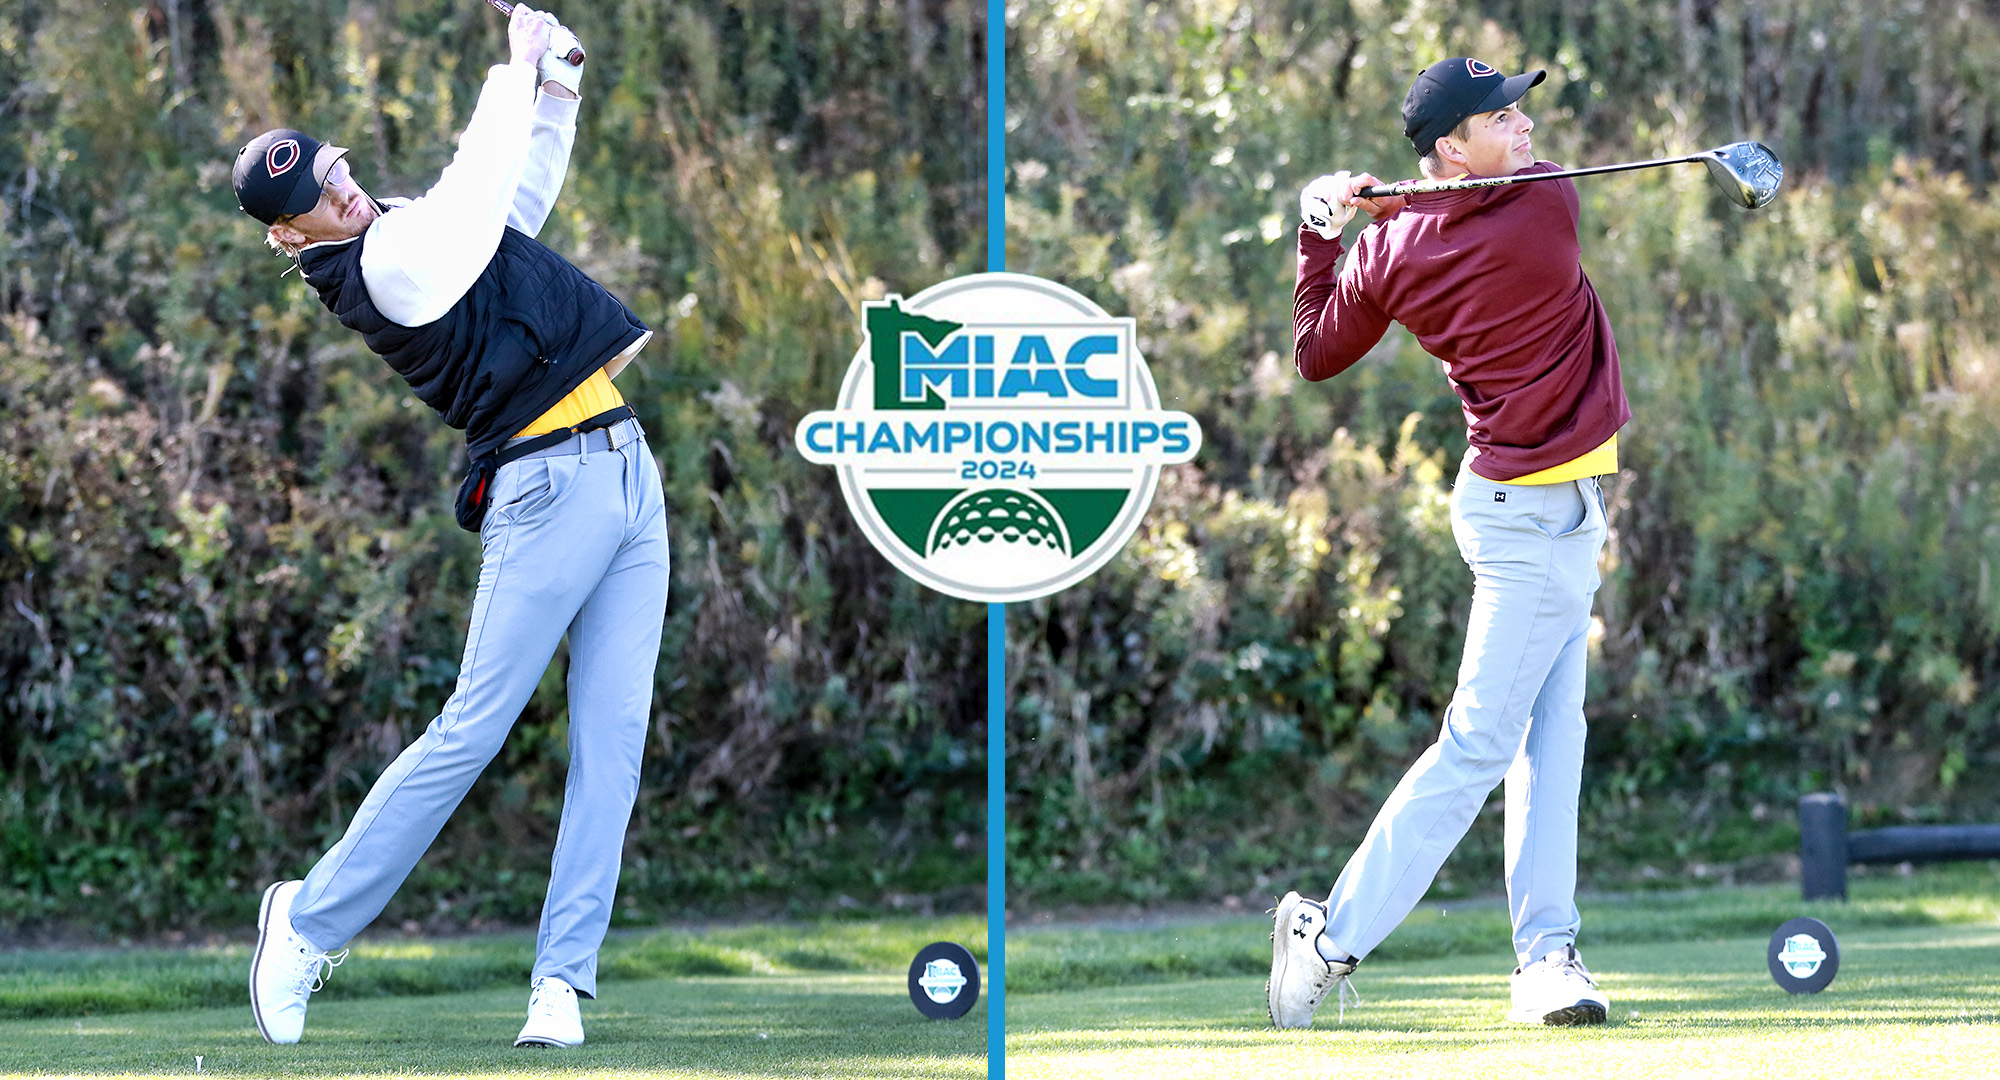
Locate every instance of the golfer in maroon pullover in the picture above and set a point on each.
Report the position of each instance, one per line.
(1488, 281)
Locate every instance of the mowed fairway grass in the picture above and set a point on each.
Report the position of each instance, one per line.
(1909, 1001)
(792, 1017)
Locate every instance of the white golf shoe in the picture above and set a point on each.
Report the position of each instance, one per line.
(286, 969)
(1557, 990)
(1300, 976)
(553, 1016)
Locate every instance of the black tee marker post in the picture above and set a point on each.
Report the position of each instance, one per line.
(1804, 956)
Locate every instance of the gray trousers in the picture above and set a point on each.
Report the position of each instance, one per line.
(573, 542)
(1517, 716)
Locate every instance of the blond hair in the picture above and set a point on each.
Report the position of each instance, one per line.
(271, 240)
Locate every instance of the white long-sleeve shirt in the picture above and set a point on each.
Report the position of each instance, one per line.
(424, 253)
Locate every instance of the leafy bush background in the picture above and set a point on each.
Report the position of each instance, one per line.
(1800, 591)
(230, 586)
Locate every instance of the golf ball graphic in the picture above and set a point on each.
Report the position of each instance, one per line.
(1006, 535)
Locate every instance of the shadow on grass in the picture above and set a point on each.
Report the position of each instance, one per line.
(1236, 1032)
(834, 1026)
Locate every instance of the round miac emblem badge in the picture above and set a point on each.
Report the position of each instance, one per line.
(944, 980)
(998, 436)
(1804, 956)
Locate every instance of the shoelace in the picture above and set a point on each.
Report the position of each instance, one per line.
(311, 963)
(1571, 961)
(1326, 982)
(542, 1001)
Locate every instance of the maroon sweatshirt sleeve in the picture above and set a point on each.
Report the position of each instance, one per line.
(1490, 281)
(1333, 320)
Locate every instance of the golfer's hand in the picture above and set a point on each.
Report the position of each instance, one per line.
(1377, 208)
(557, 70)
(1324, 205)
(528, 35)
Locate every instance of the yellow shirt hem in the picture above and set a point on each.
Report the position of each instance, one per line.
(1598, 462)
(596, 395)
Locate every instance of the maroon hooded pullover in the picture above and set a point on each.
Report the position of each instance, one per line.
(1490, 283)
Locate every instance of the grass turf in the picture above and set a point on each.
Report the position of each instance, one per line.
(839, 1025)
(1906, 1004)
(1918, 994)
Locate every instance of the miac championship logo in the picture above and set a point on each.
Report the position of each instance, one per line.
(998, 436)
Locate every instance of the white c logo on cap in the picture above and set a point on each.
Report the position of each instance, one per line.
(1479, 70)
(289, 148)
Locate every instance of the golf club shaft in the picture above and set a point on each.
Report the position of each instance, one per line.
(575, 55)
(1426, 186)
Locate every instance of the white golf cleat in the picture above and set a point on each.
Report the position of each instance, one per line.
(1300, 976)
(553, 1016)
(286, 969)
(1557, 990)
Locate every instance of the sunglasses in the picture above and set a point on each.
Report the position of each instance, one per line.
(335, 177)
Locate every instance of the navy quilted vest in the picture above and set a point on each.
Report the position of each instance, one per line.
(528, 332)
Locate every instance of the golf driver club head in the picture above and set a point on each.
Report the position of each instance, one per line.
(1748, 172)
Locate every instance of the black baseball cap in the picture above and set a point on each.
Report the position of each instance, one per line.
(1448, 91)
(281, 172)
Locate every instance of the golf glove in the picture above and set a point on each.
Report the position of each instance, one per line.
(557, 69)
(1324, 206)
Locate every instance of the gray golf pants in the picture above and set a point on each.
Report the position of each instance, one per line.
(1517, 715)
(572, 542)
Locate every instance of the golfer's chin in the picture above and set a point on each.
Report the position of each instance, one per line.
(357, 223)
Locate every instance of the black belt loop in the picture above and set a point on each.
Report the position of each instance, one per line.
(471, 504)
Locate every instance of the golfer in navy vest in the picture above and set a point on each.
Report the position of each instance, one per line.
(516, 347)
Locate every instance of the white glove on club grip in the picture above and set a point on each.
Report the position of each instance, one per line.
(557, 69)
(1324, 206)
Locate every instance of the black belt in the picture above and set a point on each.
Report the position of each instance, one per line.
(479, 473)
(596, 439)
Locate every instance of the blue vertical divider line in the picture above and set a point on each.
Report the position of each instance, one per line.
(996, 841)
(996, 135)
(996, 614)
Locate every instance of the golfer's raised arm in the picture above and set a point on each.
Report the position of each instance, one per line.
(1333, 321)
(549, 144)
(421, 259)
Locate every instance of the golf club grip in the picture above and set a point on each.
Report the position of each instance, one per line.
(1426, 187)
(575, 55)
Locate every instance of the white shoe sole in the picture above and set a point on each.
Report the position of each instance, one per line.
(541, 1043)
(263, 935)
